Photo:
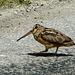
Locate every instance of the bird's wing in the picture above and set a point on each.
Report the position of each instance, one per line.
(54, 36)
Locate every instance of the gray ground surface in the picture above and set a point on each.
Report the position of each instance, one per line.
(16, 22)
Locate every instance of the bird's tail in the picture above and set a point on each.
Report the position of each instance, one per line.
(70, 44)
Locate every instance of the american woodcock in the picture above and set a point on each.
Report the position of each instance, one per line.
(49, 37)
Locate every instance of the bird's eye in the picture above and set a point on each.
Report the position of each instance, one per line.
(36, 26)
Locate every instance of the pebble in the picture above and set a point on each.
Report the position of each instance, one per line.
(60, 0)
(35, 17)
(42, 4)
(16, 12)
(0, 14)
(35, 9)
(41, 21)
(27, 10)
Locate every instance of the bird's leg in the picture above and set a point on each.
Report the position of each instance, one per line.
(39, 51)
(56, 50)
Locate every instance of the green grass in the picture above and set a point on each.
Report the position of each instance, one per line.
(13, 3)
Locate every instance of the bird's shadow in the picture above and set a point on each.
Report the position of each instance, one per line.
(48, 54)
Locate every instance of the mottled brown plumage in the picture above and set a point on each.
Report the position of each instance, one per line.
(49, 37)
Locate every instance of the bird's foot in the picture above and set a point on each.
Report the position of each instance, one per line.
(35, 51)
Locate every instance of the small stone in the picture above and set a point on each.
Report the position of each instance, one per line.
(27, 10)
(19, 23)
(41, 21)
(1, 26)
(12, 65)
(0, 14)
(22, 13)
(16, 12)
(35, 17)
(7, 26)
(35, 9)
(37, 4)
(42, 4)
(48, 12)
(27, 16)
(60, 0)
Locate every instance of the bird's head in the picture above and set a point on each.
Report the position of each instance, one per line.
(36, 30)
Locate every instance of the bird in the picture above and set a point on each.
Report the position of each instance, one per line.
(49, 37)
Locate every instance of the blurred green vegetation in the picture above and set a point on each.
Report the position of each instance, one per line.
(13, 3)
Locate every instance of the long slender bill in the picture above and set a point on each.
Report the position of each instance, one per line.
(30, 32)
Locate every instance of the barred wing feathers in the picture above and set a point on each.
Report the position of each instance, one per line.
(54, 36)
